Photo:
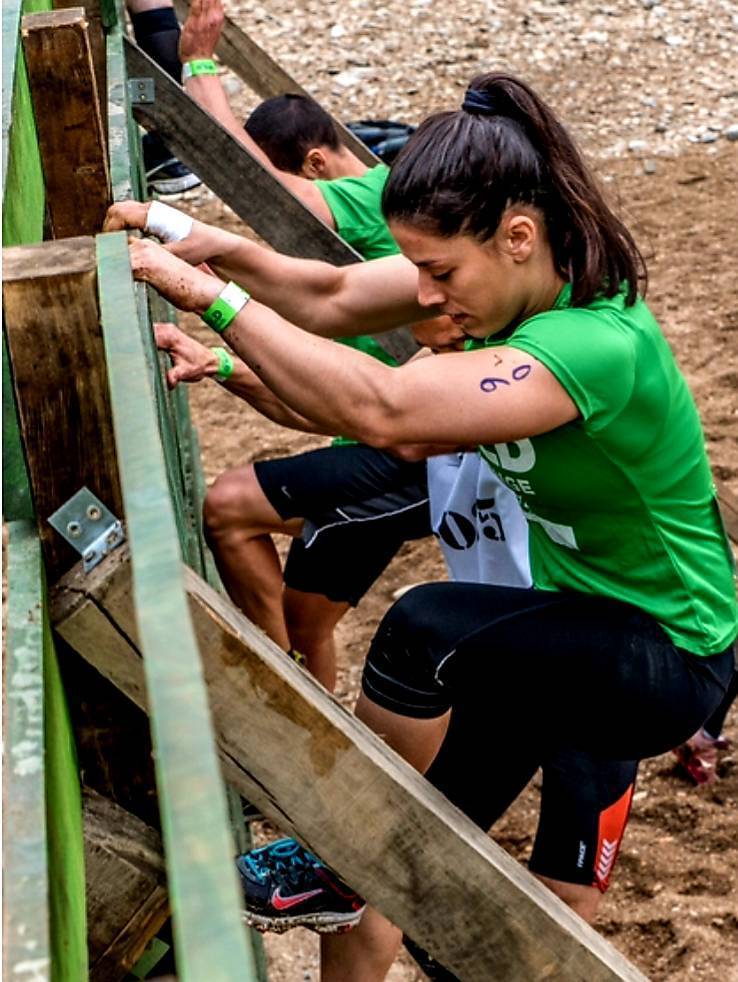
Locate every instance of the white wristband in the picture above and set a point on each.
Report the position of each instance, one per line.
(166, 223)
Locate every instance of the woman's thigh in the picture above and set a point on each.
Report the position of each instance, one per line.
(580, 671)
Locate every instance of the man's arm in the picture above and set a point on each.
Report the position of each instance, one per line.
(200, 35)
(193, 362)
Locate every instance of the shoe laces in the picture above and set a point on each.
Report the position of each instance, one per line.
(284, 858)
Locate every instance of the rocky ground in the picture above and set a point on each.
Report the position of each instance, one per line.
(650, 89)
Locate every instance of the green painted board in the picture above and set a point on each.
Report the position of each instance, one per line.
(210, 942)
(26, 944)
(67, 911)
(43, 875)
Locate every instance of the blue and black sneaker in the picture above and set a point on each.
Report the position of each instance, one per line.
(285, 886)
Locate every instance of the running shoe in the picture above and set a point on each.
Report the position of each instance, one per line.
(285, 886)
(165, 174)
(699, 756)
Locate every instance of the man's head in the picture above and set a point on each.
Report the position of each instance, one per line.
(298, 137)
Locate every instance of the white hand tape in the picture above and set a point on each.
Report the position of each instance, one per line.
(166, 223)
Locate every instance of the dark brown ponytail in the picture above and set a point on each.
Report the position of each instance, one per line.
(461, 170)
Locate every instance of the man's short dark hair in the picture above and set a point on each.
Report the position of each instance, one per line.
(287, 126)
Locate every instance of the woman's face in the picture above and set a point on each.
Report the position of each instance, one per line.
(480, 286)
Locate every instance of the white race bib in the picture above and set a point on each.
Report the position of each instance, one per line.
(478, 522)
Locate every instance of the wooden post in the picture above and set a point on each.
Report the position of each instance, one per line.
(68, 120)
(127, 899)
(315, 770)
(96, 34)
(266, 76)
(58, 369)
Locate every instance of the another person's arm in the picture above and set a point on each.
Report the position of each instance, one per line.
(200, 34)
(485, 396)
(332, 301)
(193, 362)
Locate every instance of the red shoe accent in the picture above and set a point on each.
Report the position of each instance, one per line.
(609, 837)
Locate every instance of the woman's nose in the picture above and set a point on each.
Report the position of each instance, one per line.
(430, 293)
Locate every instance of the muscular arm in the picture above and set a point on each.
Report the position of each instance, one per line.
(486, 396)
(332, 301)
(193, 362)
(200, 35)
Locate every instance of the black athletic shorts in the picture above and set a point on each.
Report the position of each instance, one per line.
(580, 686)
(359, 505)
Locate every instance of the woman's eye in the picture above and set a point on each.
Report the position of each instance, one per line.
(440, 277)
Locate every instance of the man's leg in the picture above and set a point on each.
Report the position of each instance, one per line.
(239, 520)
(311, 620)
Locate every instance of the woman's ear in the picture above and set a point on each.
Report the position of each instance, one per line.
(314, 165)
(520, 233)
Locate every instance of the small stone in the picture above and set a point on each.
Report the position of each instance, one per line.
(649, 167)
(337, 31)
(649, 4)
(660, 128)
(708, 137)
(635, 145)
(731, 132)
(674, 40)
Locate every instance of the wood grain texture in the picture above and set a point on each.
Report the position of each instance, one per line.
(242, 181)
(265, 76)
(58, 369)
(127, 899)
(96, 34)
(25, 872)
(68, 120)
(319, 773)
(209, 938)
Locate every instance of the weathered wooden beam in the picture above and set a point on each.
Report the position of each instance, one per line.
(58, 371)
(26, 947)
(96, 34)
(209, 938)
(242, 181)
(127, 900)
(315, 770)
(265, 76)
(70, 131)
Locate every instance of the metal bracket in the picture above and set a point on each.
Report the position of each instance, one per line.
(88, 526)
(141, 90)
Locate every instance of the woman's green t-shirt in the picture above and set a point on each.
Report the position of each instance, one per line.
(621, 502)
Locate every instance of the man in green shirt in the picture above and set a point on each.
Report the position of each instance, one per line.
(349, 507)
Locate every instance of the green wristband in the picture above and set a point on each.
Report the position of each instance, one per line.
(225, 307)
(225, 364)
(200, 66)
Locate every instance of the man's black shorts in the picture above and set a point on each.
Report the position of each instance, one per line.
(359, 505)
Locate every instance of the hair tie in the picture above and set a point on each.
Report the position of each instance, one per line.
(479, 101)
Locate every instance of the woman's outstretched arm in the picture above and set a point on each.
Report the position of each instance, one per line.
(486, 396)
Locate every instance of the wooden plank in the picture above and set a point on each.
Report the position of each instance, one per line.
(127, 899)
(123, 138)
(266, 76)
(49, 292)
(26, 947)
(70, 133)
(316, 771)
(209, 938)
(96, 34)
(242, 181)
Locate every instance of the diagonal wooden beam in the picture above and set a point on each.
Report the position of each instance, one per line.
(316, 770)
(242, 181)
(265, 76)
